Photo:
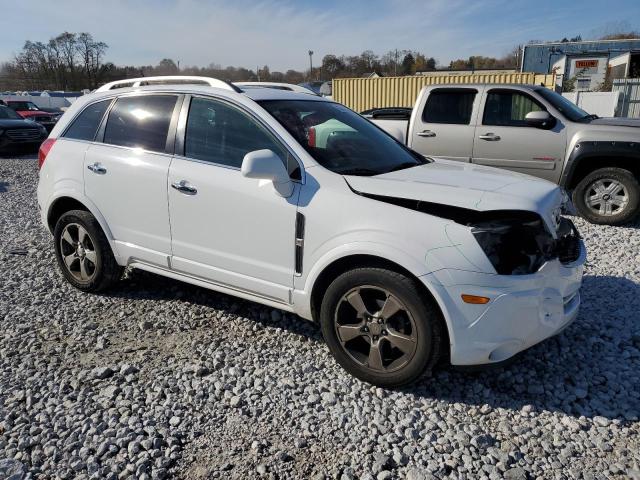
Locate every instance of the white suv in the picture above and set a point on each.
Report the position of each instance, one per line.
(299, 203)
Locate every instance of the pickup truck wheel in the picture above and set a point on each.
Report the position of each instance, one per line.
(608, 196)
(83, 252)
(379, 327)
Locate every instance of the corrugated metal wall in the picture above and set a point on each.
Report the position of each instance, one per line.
(363, 93)
(629, 102)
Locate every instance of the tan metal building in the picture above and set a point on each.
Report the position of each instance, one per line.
(364, 93)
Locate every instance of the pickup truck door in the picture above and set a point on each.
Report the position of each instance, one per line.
(443, 123)
(227, 229)
(503, 138)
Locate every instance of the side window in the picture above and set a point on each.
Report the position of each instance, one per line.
(85, 126)
(219, 133)
(508, 108)
(449, 106)
(141, 121)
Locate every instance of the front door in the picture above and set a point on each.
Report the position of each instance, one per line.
(503, 139)
(230, 230)
(126, 176)
(444, 125)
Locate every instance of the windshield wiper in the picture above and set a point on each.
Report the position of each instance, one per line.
(591, 116)
(359, 171)
(403, 166)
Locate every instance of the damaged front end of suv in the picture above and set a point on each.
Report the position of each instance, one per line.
(516, 242)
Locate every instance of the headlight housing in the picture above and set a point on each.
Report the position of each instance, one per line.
(516, 244)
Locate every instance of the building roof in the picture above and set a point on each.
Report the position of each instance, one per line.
(539, 57)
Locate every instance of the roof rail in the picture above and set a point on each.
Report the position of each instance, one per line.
(168, 80)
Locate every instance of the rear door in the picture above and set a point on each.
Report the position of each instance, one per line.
(503, 138)
(126, 174)
(444, 123)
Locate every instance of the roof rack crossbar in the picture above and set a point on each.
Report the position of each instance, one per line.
(166, 80)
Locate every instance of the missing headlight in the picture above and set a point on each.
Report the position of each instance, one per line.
(515, 246)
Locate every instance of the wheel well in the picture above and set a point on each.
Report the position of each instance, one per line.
(59, 207)
(344, 264)
(587, 165)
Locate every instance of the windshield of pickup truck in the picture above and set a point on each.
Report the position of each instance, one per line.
(564, 106)
(341, 140)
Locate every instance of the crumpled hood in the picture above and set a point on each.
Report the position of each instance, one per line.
(617, 122)
(465, 185)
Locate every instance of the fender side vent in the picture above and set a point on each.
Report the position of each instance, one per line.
(299, 245)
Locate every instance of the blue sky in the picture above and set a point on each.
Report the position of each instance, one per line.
(279, 33)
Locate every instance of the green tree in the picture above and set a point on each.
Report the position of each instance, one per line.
(408, 64)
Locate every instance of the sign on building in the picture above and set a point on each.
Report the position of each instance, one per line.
(589, 72)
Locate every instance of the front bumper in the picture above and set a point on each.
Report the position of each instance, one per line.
(523, 311)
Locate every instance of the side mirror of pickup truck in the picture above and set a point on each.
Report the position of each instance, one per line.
(540, 119)
(266, 165)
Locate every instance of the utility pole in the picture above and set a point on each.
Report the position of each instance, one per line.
(395, 65)
(310, 64)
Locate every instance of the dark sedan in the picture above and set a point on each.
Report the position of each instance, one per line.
(16, 133)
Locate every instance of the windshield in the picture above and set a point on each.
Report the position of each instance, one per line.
(23, 106)
(341, 140)
(563, 105)
(7, 113)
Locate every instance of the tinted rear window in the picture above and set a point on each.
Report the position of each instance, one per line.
(449, 106)
(140, 122)
(85, 126)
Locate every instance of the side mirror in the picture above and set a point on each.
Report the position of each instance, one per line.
(266, 165)
(540, 119)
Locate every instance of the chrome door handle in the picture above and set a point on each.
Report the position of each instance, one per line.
(490, 137)
(426, 133)
(184, 187)
(97, 168)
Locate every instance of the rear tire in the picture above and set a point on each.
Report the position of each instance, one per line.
(608, 196)
(380, 328)
(83, 252)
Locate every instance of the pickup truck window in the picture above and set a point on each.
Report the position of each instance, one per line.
(564, 106)
(508, 108)
(449, 106)
(341, 140)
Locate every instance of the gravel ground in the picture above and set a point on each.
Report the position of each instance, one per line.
(159, 379)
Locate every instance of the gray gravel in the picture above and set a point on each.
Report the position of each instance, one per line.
(158, 379)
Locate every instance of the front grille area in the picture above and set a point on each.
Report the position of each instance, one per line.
(568, 242)
(23, 134)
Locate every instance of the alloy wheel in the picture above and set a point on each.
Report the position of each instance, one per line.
(78, 252)
(606, 197)
(376, 329)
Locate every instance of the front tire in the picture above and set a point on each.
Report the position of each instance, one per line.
(608, 196)
(379, 326)
(83, 252)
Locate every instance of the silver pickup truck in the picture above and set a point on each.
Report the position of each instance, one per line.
(528, 129)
